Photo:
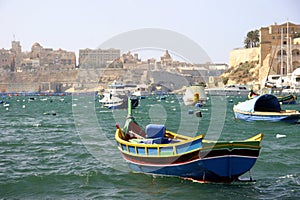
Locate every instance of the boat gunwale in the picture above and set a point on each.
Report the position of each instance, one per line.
(181, 154)
(121, 141)
(214, 145)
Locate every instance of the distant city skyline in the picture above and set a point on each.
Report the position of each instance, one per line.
(217, 26)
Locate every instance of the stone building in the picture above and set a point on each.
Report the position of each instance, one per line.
(166, 59)
(97, 58)
(47, 59)
(277, 37)
(10, 59)
(274, 39)
(41, 69)
(6, 60)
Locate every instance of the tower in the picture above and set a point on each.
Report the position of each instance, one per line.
(16, 47)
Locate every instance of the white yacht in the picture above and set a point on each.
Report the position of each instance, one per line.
(230, 90)
(111, 101)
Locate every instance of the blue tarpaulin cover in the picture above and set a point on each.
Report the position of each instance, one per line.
(155, 130)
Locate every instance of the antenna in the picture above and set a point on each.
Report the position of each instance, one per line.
(14, 36)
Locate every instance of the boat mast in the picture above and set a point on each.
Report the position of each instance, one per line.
(288, 70)
(291, 55)
(270, 65)
(281, 56)
(129, 107)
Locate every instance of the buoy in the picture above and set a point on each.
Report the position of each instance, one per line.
(280, 136)
(199, 114)
(198, 105)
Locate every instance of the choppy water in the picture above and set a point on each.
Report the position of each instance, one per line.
(63, 148)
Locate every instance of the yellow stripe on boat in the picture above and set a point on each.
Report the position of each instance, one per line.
(157, 150)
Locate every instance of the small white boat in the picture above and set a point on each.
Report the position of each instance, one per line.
(230, 90)
(111, 101)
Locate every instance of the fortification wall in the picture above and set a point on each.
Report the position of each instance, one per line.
(238, 56)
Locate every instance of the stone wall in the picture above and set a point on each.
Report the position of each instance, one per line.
(238, 56)
(32, 81)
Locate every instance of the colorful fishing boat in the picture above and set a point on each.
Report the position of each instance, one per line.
(287, 99)
(284, 99)
(264, 108)
(158, 151)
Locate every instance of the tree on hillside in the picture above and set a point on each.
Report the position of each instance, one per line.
(252, 39)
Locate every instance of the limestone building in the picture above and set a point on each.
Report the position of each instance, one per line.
(280, 38)
(97, 58)
(48, 59)
(6, 58)
(41, 69)
(10, 59)
(166, 59)
(274, 39)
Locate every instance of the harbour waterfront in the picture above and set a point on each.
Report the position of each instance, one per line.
(52, 148)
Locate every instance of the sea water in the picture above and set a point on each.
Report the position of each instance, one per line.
(64, 148)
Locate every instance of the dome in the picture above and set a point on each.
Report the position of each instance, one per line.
(167, 55)
(36, 44)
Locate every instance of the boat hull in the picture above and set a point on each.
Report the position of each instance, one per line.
(209, 166)
(266, 117)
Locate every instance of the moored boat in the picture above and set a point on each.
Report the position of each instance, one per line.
(118, 102)
(284, 99)
(230, 90)
(111, 101)
(158, 151)
(264, 108)
(287, 99)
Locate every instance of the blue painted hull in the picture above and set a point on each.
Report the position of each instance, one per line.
(289, 102)
(270, 118)
(215, 169)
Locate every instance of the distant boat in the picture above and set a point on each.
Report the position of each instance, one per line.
(116, 96)
(141, 91)
(163, 97)
(295, 79)
(111, 101)
(288, 99)
(264, 108)
(195, 94)
(158, 151)
(230, 90)
(284, 99)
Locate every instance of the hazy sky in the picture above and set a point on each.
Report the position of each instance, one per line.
(218, 26)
